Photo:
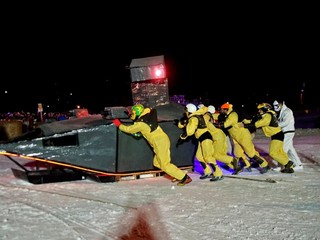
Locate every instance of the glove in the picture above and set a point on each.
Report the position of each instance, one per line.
(179, 142)
(250, 126)
(183, 136)
(176, 122)
(116, 122)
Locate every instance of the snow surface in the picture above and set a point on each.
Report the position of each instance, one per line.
(156, 208)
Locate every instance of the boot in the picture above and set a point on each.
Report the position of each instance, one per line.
(288, 168)
(258, 159)
(214, 168)
(264, 169)
(214, 179)
(185, 180)
(245, 164)
(204, 176)
(236, 167)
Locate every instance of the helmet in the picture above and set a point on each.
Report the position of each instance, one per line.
(200, 105)
(136, 111)
(264, 107)
(226, 105)
(191, 108)
(277, 106)
(211, 109)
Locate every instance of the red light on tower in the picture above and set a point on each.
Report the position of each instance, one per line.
(159, 72)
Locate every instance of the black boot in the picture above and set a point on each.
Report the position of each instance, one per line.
(258, 159)
(288, 168)
(236, 167)
(264, 169)
(204, 176)
(218, 178)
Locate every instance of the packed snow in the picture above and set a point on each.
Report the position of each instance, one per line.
(238, 207)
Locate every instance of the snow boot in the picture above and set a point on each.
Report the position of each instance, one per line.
(288, 168)
(185, 180)
(214, 179)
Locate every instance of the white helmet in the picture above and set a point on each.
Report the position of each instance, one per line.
(211, 109)
(191, 108)
(276, 106)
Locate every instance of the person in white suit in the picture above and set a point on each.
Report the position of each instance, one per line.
(287, 124)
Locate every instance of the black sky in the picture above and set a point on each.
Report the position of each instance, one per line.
(239, 60)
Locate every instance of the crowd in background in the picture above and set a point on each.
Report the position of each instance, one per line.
(30, 120)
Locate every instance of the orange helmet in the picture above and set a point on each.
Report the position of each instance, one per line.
(226, 105)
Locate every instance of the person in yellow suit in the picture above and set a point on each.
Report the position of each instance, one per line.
(236, 148)
(270, 127)
(146, 123)
(241, 135)
(196, 126)
(220, 143)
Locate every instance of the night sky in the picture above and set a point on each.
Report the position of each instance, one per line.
(244, 61)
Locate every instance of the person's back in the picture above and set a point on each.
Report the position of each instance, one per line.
(242, 136)
(287, 123)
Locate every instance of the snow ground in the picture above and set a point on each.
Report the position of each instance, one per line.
(155, 208)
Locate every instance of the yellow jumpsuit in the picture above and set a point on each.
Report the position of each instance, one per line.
(243, 137)
(205, 149)
(220, 144)
(160, 143)
(276, 150)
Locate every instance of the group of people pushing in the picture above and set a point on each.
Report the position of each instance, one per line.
(211, 129)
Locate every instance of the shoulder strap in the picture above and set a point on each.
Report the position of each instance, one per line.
(151, 119)
(201, 121)
(274, 120)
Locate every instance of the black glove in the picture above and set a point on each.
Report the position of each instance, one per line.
(182, 121)
(217, 125)
(176, 122)
(179, 142)
(250, 126)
